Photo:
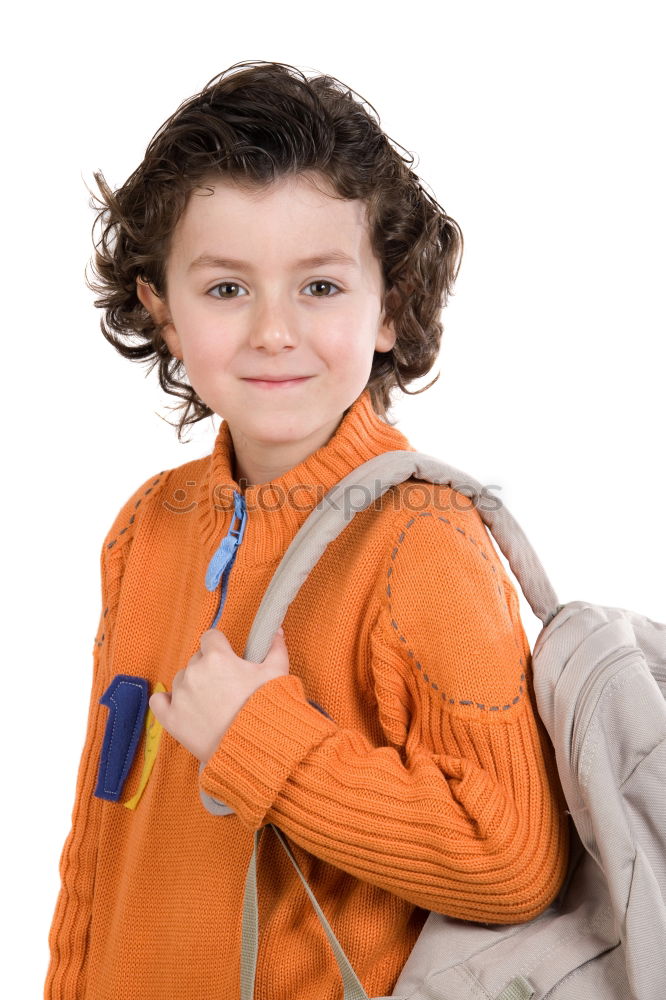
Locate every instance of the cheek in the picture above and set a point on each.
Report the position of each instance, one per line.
(203, 348)
(347, 345)
(204, 343)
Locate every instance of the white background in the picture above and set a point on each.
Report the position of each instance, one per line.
(538, 126)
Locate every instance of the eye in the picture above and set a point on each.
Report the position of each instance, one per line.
(322, 281)
(225, 284)
(232, 284)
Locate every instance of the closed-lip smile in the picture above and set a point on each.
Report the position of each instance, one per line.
(274, 378)
(278, 381)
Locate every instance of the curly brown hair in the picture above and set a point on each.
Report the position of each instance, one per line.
(255, 122)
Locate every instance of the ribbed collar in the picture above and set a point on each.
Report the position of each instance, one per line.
(276, 510)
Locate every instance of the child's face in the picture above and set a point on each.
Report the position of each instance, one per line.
(273, 315)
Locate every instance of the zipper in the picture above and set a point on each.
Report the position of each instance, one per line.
(221, 564)
(590, 695)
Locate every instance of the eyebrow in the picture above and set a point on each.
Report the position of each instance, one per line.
(317, 260)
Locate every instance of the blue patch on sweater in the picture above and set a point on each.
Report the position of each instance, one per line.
(127, 700)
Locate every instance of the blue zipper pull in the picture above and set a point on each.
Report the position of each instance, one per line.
(223, 558)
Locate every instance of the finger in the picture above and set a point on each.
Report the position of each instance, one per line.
(277, 651)
(212, 636)
(160, 705)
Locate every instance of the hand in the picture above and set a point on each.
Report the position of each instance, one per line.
(211, 690)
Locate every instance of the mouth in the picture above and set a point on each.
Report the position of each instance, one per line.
(285, 383)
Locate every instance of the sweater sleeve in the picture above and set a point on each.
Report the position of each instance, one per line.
(68, 936)
(460, 810)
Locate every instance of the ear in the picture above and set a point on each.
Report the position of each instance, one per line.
(159, 312)
(386, 335)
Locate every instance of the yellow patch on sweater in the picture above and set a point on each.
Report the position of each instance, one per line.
(154, 731)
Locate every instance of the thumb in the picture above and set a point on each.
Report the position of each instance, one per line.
(278, 646)
(160, 705)
(278, 638)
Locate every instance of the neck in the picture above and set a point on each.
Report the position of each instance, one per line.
(256, 464)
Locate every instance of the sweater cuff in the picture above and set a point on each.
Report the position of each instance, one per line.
(275, 729)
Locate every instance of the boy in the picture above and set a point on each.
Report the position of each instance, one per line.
(275, 246)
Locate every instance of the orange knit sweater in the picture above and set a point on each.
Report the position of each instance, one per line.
(432, 785)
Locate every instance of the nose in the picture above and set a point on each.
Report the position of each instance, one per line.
(272, 325)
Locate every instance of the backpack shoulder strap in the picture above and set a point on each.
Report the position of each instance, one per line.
(356, 492)
(353, 494)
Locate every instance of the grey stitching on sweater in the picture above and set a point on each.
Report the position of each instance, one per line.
(131, 520)
(410, 652)
(428, 513)
(98, 642)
